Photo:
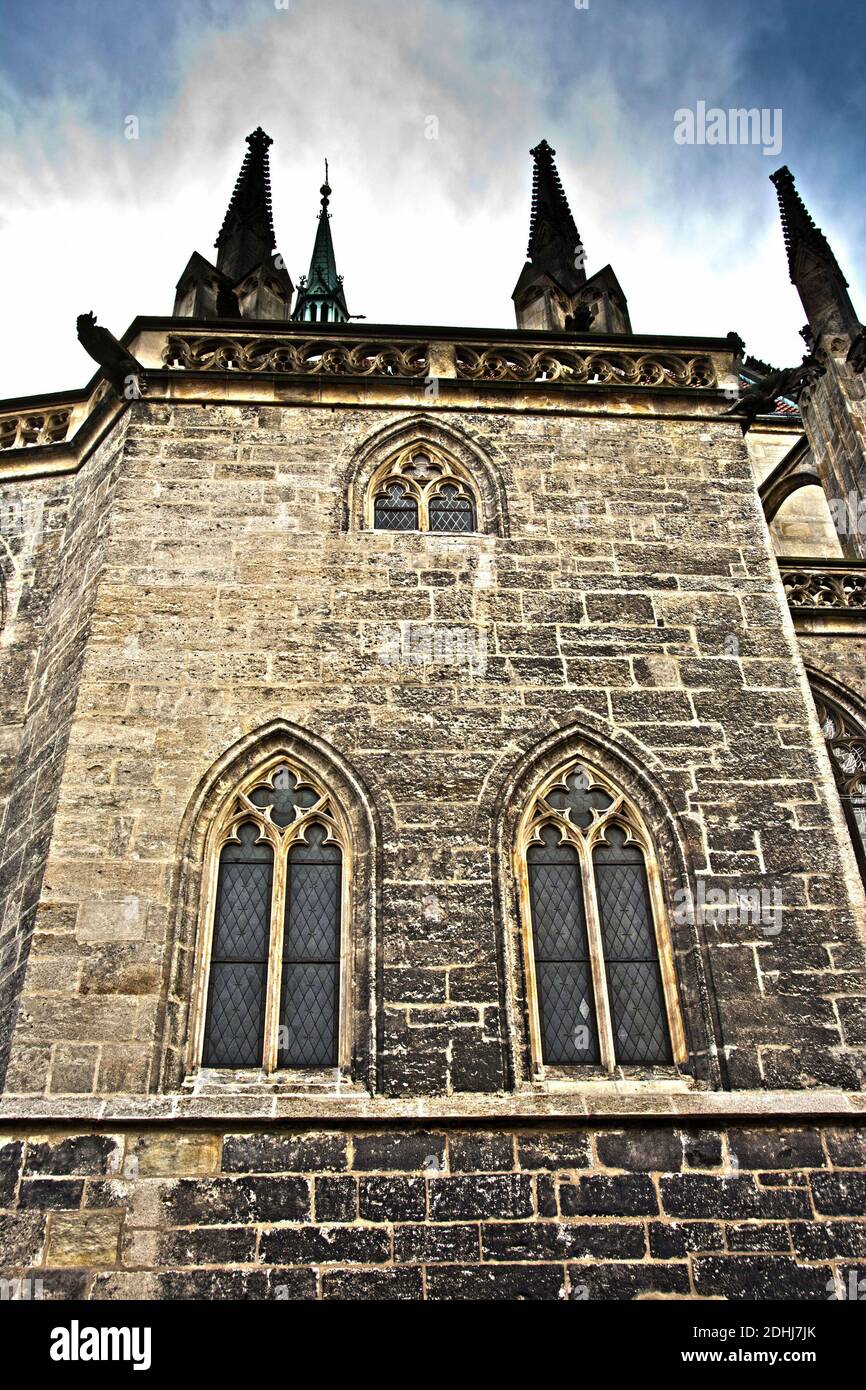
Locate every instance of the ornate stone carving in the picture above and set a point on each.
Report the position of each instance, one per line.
(304, 357)
(761, 398)
(124, 372)
(604, 368)
(847, 747)
(23, 431)
(424, 474)
(824, 588)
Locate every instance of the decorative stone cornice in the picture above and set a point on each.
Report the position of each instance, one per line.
(348, 357)
(819, 586)
(474, 362)
(270, 362)
(23, 431)
(596, 367)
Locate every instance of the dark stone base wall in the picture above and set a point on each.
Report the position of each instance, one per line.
(589, 1212)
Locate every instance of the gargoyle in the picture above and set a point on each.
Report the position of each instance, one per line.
(122, 370)
(857, 352)
(761, 397)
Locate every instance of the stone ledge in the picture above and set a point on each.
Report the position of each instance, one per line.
(720, 1107)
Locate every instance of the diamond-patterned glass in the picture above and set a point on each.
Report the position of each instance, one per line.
(395, 510)
(580, 798)
(450, 511)
(311, 953)
(556, 896)
(631, 953)
(569, 1032)
(308, 1015)
(623, 900)
(568, 1029)
(286, 794)
(236, 1002)
(243, 907)
(236, 1015)
(640, 1030)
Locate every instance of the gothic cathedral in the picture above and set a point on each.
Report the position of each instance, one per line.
(433, 775)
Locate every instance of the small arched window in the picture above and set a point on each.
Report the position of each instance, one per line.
(599, 963)
(451, 510)
(396, 509)
(846, 744)
(422, 490)
(275, 915)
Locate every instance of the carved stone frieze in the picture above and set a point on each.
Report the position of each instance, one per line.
(824, 588)
(22, 431)
(306, 356)
(507, 363)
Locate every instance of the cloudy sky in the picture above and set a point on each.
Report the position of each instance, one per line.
(429, 230)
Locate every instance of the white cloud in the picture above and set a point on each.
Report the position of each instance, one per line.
(426, 231)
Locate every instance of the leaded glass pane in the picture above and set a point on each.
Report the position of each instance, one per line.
(569, 1032)
(308, 1015)
(631, 953)
(395, 510)
(451, 512)
(238, 972)
(640, 1030)
(311, 954)
(235, 1015)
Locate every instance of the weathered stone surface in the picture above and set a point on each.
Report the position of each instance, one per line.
(400, 1152)
(468, 1199)
(87, 1238)
(754, 1277)
(203, 576)
(609, 1196)
(85, 1155)
(271, 1153)
(155, 1155)
(776, 1148)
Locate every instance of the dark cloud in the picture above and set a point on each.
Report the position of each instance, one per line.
(426, 230)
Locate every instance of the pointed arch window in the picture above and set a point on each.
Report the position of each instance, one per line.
(396, 509)
(599, 962)
(845, 738)
(422, 490)
(273, 985)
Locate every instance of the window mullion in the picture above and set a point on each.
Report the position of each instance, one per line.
(527, 933)
(275, 958)
(667, 967)
(596, 952)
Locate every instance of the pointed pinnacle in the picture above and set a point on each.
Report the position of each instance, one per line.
(798, 228)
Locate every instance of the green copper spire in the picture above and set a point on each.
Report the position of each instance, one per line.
(320, 292)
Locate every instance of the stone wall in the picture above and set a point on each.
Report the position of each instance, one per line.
(629, 609)
(588, 1212)
(840, 657)
(57, 531)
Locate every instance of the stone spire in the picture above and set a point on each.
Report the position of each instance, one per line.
(248, 281)
(247, 234)
(320, 292)
(553, 291)
(554, 242)
(814, 269)
(832, 402)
